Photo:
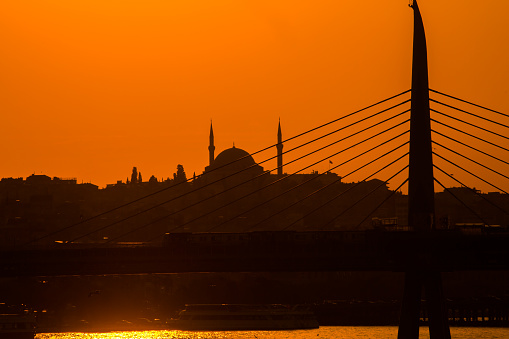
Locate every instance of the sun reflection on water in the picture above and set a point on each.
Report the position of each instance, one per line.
(163, 335)
(133, 335)
(185, 335)
(325, 332)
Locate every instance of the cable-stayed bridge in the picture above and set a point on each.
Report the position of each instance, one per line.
(325, 246)
(296, 237)
(239, 217)
(231, 198)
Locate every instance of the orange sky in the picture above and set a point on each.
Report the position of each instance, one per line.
(89, 89)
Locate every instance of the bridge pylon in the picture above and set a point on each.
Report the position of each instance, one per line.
(421, 204)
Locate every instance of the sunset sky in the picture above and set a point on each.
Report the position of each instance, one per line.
(89, 89)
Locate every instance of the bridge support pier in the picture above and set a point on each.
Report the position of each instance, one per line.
(411, 306)
(437, 309)
(438, 320)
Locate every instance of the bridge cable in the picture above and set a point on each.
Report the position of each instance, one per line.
(345, 191)
(271, 158)
(276, 181)
(316, 191)
(173, 186)
(461, 201)
(383, 202)
(473, 190)
(364, 197)
(470, 135)
(190, 179)
(467, 123)
(254, 178)
(471, 147)
(475, 162)
(487, 182)
(469, 113)
(319, 175)
(468, 102)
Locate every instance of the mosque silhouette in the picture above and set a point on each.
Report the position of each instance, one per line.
(238, 162)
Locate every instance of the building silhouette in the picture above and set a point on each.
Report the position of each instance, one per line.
(232, 194)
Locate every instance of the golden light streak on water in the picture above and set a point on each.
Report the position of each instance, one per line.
(183, 335)
(324, 332)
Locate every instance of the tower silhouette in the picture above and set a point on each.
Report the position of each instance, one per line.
(421, 204)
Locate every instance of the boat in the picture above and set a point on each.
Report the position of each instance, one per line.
(243, 317)
(16, 322)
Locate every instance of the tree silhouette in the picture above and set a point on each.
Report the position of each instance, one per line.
(180, 176)
(134, 176)
(139, 178)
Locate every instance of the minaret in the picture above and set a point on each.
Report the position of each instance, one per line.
(211, 145)
(279, 147)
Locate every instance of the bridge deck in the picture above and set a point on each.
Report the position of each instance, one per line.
(367, 251)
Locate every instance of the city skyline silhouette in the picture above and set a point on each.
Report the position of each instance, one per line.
(104, 89)
(91, 91)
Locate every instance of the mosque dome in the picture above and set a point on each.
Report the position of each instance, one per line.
(234, 159)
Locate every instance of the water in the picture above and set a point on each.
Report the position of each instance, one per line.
(325, 332)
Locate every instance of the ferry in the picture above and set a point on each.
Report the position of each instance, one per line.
(243, 317)
(16, 323)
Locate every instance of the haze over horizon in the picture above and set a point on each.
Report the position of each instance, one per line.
(90, 89)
